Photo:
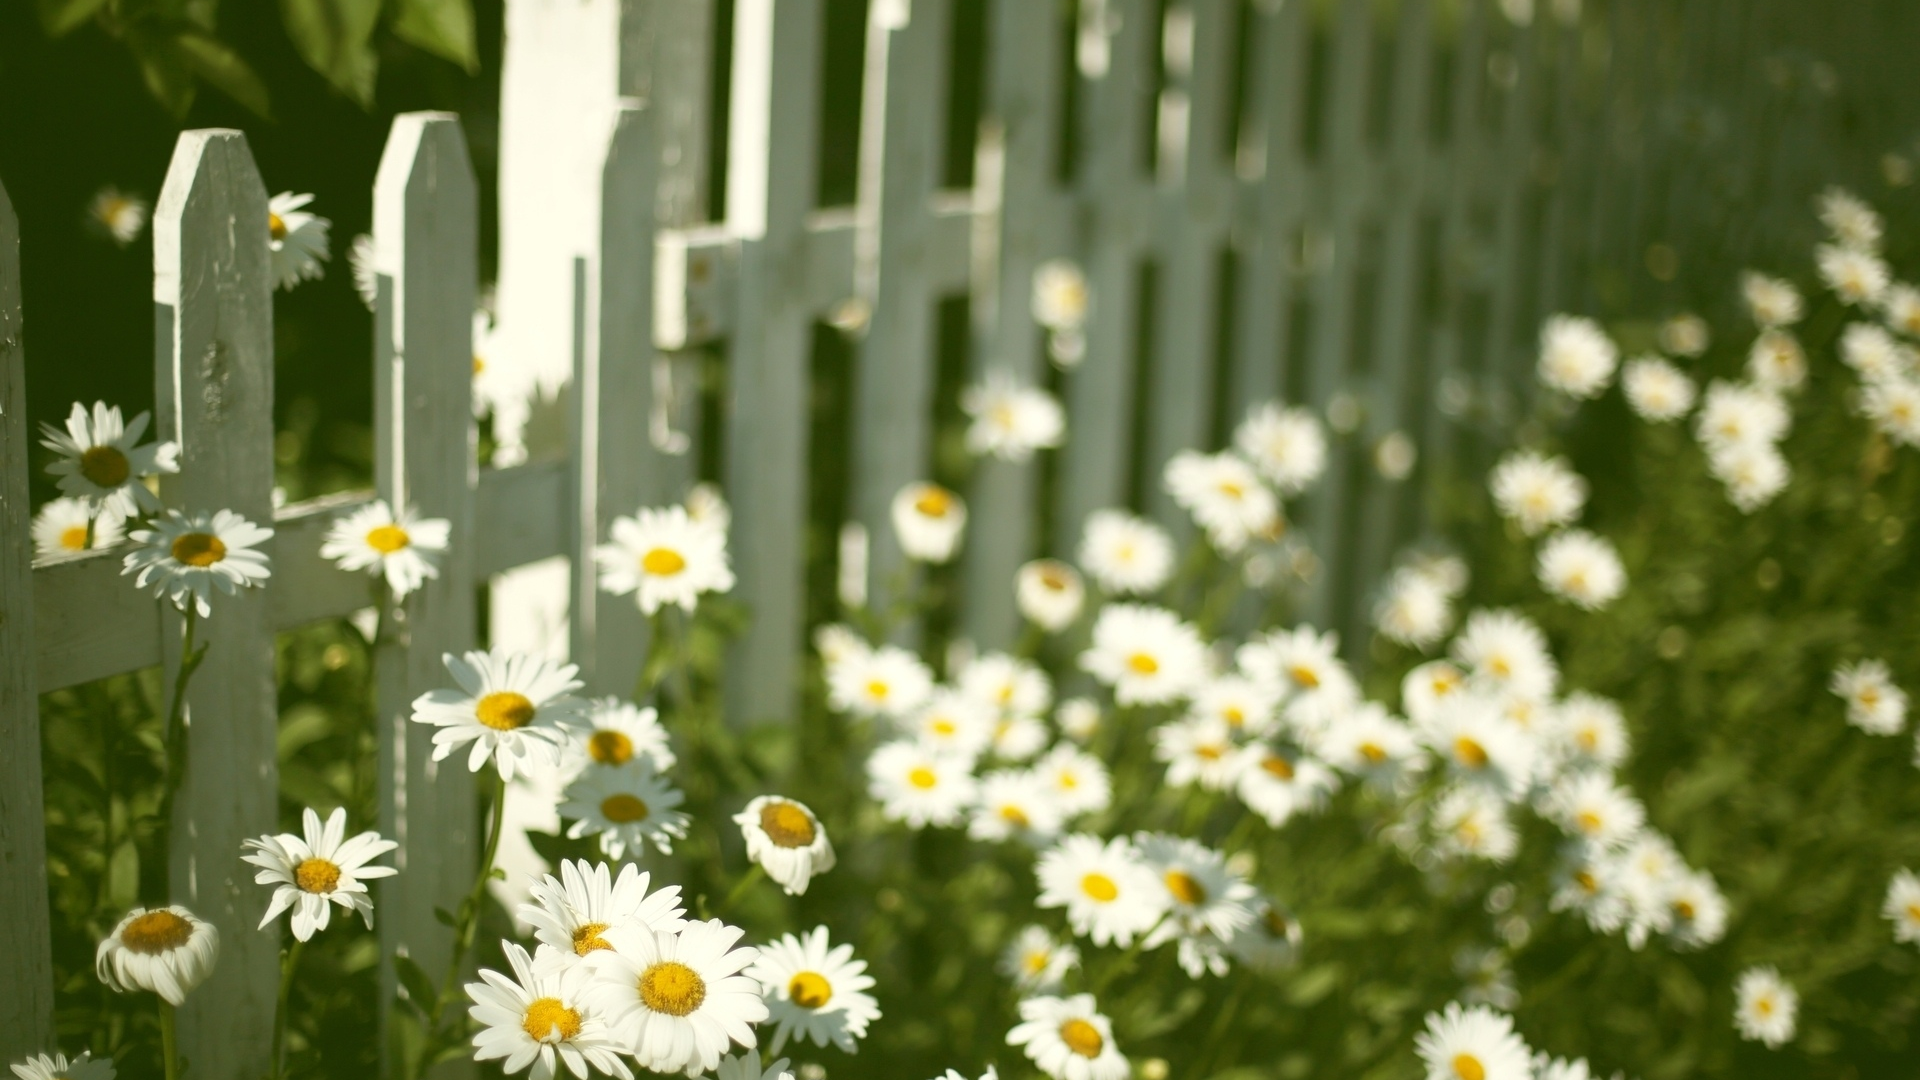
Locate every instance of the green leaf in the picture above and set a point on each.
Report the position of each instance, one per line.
(213, 61)
(441, 27)
(60, 17)
(162, 68)
(333, 37)
(443, 916)
(418, 986)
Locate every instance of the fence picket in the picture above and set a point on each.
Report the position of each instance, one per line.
(425, 234)
(1269, 163)
(213, 302)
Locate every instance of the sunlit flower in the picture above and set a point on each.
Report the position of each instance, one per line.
(121, 216)
(1111, 896)
(1124, 553)
(1874, 704)
(621, 731)
(928, 520)
(1007, 684)
(191, 556)
(1656, 390)
(1852, 222)
(1197, 750)
(1249, 707)
(1068, 1039)
(366, 276)
(1078, 718)
(952, 723)
(629, 807)
(1588, 881)
(1856, 277)
(787, 840)
(1576, 356)
(1685, 335)
(678, 1000)
(1552, 1068)
(167, 950)
(515, 708)
(1077, 781)
(1207, 903)
(100, 459)
(1767, 1009)
(1302, 665)
(1061, 297)
(1771, 301)
(1505, 651)
(1902, 906)
(1050, 593)
(1900, 305)
(746, 1066)
(1015, 803)
(1147, 654)
(663, 556)
(296, 239)
(1740, 414)
(1473, 1043)
(815, 993)
(1036, 962)
(838, 643)
(1369, 742)
(1537, 492)
(888, 681)
(1753, 474)
(920, 787)
(1276, 784)
(1876, 354)
(1481, 748)
(403, 548)
(1699, 911)
(1018, 738)
(57, 1067)
(1471, 822)
(1894, 407)
(541, 1017)
(569, 914)
(1580, 567)
(1288, 446)
(323, 866)
(1425, 687)
(1594, 808)
(1225, 497)
(1413, 609)
(1011, 421)
(60, 528)
(1591, 731)
(1777, 362)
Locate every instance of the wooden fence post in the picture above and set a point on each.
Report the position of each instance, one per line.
(425, 225)
(1270, 154)
(213, 313)
(26, 959)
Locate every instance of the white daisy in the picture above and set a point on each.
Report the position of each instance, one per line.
(1856, 277)
(1480, 747)
(405, 549)
(1852, 222)
(1753, 474)
(1125, 554)
(746, 1066)
(1588, 881)
(1900, 305)
(1061, 296)
(953, 723)
(1050, 594)
(1902, 906)
(1471, 822)
(1591, 731)
(814, 993)
(190, 556)
(629, 807)
(919, 787)
(1894, 407)
(542, 1019)
(786, 839)
(1036, 962)
(706, 505)
(838, 643)
(1657, 391)
(166, 950)
(1015, 803)
(1576, 356)
(928, 520)
(1595, 809)
(1777, 362)
(888, 681)
(366, 277)
(952, 1074)
(120, 215)
(1303, 665)
(1207, 903)
(1271, 941)
(677, 1001)
(1581, 568)
(100, 459)
(296, 239)
(1198, 750)
(1699, 911)
(1686, 334)
(1395, 455)
(1111, 896)
(1740, 414)
(1011, 421)
(1546, 1067)
(1369, 742)
(1277, 784)
(1288, 446)
(1427, 686)
(1076, 780)
(1078, 718)
(1537, 492)
(1874, 353)
(57, 1067)
(1413, 609)
(1767, 1008)
(1007, 684)
(1225, 497)
(1068, 1039)
(663, 556)
(60, 528)
(1874, 704)
(571, 913)
(1473, 1043)
(515, 708)
(1147, 654)
(323, 866)
(620, 731)
(1018, 738)
(1249, 707)
(1506, 652)
(1771, 301)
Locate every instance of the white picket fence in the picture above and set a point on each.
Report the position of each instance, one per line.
(1418, 205)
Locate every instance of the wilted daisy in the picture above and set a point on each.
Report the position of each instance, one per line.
(1900, 305)
(60, 528)
(888, 681)
(1050, 593)
(1413, 609)
(1856, 277)
(57, 1067)
(1594, 808)
(1582, 568)
(920, 787)
(629, 807)
(1740, 414)
(815, 993)
(1894, 407)
(1874, 704)
(1111, 896)
(1277, 784)
(952, 723)
(515, 708)
(542, 1019)
(296, 238)
(1505, 651)
(787, 840)
(1068, 1039)
(1011, 421)
(746, 1066)
(120, 215)
(1767, 1008)
(1902, 906)
(620, 731)
(1197, 750)
(1473, 1043)
(1874, 353)
(1852, 222)
(678, 1000)
(1591, 731)
(1224, 496)
(663, 556)
(1077, 781)
(1471, 822)
(928, 520)
(1699, 911)
(1576, 356)
(191, 556)
(1777, 362)
(1753, 474)
(1771, 301)
(1060, 295)
(1147, 654)
(1007, 684)
(100, 459)
(1537, 492)
(569, 914)
(1288, 446)
(403, 548)
(1015, 803)
(1124, 553)
(1657, 390)
(1684, 335)
(322, 867)
(166, 950)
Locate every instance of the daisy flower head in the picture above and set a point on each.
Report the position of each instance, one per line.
(787, 840)
(1147, 654)
(619, 731)
(1271, 942)
(310, 872)
(404, 548)
(1894, 407)
(1902, 906)
(541, 1017)
(1371, 743)
(56, 1067)
(629, 807)
(1225, 497)
(1753, 474)
(1767, 1008)
(1857, 277)
(1657, 391)
(515, 708)
(838, 643)
(1685, 334)
(1018, 738)
(1125, 554)
(677, 1001)
(366, 276)
(1900, 305)
(1874, 704)
(1427, 686)
(189, 557)
(1110, 894)
(952, 723)
(1773, 302)
(1011, 421)
(1537, 492)
(1061, 296)
(1198, 750)
(1413, 609)
(1277, 784)
(1849, 219)
(1740, 414)
(888, 681)
(60, 528)
(1288, 446)
(1777, 362)
(167, 950)
(1875, 354)
(1249, 707)
(1473, 1043)
(1050, 594)
(1077, 781)
(571, 914)
(1587, 881)
(1300, 664)
(1699, 911)
(1506, 652)
(120, 215)
(928, 520)
(1471, 822)
(1007, 684)
(920, 787)
(1068, 1039)
(1078, 718)
(296, 239)
(1206, 902)
(815, 993)
(100, 459)
(1547, 1067)
(1591, 731)
(1576, 356)
(1015, 803)
(1480, 747)
(746, 1066)
(1595, 809)
(662, 556)
(1581, 568)
(1036, 962)
(707, 505)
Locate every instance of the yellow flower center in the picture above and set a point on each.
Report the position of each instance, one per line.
(1763, 1006)
(1913, 913)
(1186, 888)
(479, 363)
(1082, 1038)
(548, 1019)
(1588, 821)
(1142, 664)
(1015, 816)
(316, 876)
(105, 466)
(1036, 962)
(609, 747)
(1586, 881)
(198, 549)
(663, 562)
(1468, 1067)
(1684, 910)
(672, 987)
(934, 503)
(1232, 490)
(388, 539)
(1373, 753)
(1588, 738)
(809, 990)
(877, 688)
(276, 226)
(74, 538)
(943, 727)
(1100, 887)
(586, 938)
(1277, 766)
(1067, 779)
(1469, 753)
(1234, 715)
(156, 932)
(623, 809)
(1304, 676)
(1276, 923)
(1054, 578)
(1869, 696)
(923, 778)
(504, 710)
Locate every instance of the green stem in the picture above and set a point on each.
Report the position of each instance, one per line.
(468, 920)
(169, 1050)
(175, 734)
(289, 960)
(1122, 965)
(740, 888)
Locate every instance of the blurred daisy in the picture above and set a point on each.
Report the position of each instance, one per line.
(1018, 738)
(1050, 594)
(1147, 654)
(1481, 748)
(1015, 803)
(1595, 809)
(1076, 780)
(166, 950)
(1771, 301)
(542, 1020)
(838, 643)
(515, 708)
(1874, 353)
(404, 549)
(1067, 1039)
(1767, 1007)
(1224, 496)
(677, 1001)
(707, 506)
(1592, 730)
(1288, 446)
(1206, 902)
(1856, 277)
(1777, 362)
(1369, 742)
(1657, 390)
(1874, 704)
(121, 216)
(191, 556)
(1587, 882)
(60, 528)
(1546, 1067)
(1537, 492)
(663, 556)
(1740, 414)
(1473, 1043)
(746, 1066)
(323, 866)
(571, 913)
(928, 520)
(1298, 663)
(1753, 474)
(888, 681)
(1645, 875)
(1699, 911)
(629, 807)
(1852, 222)
(1276, 784)
(952, 723)
(815, 993)
(1395, 455)
(1581, 568)
(366, 277)
(1576, 356)
(1505, 651)
(919, 787)
(1110, 895)
(1007, 684)
(1197, 750)
(99, 459)
(1894, 407)
(787, 840)
(1471, 822)
(1426, 687)
(1902, 906)
(1125, 554)
(1248, 707)
(1685, 335)
(1036, 962)
(620, 731)
(296, 239)
(1413, 610)
(1011, 421)
(1900, 304)
(1061, 297)
(1270, 942)
(57, 1067)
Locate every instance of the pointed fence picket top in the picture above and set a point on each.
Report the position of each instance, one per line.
(425, 229)
(213, 308)
(26, 958)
